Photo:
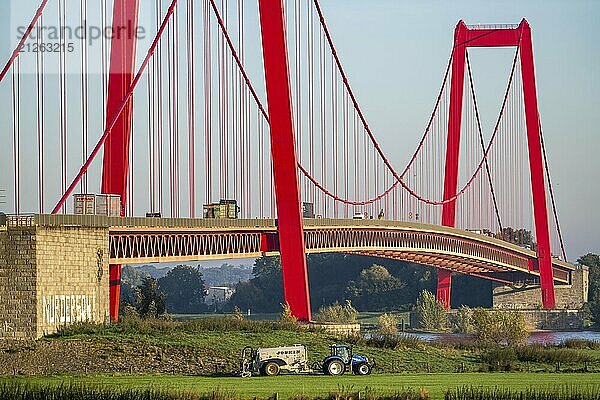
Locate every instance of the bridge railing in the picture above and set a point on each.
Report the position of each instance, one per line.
(492, 26)
(15, 221)
(100, 221)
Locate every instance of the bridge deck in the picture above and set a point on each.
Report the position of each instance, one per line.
(145, 240)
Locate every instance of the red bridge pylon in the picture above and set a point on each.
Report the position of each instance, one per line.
(482, 36)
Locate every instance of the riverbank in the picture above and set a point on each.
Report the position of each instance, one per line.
(212, 346)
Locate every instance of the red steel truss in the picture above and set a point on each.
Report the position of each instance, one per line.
(444, 248)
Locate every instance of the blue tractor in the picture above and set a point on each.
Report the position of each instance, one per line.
(343, 360)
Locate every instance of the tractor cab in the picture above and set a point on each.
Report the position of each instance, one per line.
(341, 359)
(342, 351)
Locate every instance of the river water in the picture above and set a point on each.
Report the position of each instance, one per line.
(544, 337)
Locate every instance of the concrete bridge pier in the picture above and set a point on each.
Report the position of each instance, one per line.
(51, 276)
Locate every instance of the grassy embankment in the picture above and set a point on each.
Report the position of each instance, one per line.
(158, 354)
(223, 338)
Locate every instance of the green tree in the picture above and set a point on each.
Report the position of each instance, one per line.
(375, 289)
(131, 278)
(264, 292)
(521, 237)
(330, 276)
(344, 314)
(499, 327)
(183, 287)
(462, 321)
(431, 313)
(338, 277)
(592, 261)
(150, 301)
(471, 291)
(248, 296)
(226, 275)
(388, 324)
(267, 267)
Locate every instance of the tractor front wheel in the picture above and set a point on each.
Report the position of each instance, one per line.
(335, 368)
(363, 369)
(271, 369)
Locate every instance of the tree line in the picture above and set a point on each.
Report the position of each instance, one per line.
(369, 284)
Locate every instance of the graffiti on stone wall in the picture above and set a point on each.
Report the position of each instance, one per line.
(7, 327)
(62, 309)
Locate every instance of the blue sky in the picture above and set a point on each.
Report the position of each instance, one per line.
(395, 53)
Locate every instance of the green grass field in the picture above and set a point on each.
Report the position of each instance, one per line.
(183, 356)
(294, 385)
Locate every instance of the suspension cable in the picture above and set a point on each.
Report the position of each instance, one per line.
(372, 137)
(119, 110)
(551, 190)
(398, 178)
(21, 43)
(487, 166)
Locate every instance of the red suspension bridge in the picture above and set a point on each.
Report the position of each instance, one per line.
(201, 131)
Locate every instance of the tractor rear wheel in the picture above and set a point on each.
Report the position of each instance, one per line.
(271, 369)
(363, 369)
(335, 368)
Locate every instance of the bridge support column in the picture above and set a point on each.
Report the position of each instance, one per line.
(452, 151)
(538, 188)
(444, 285)
(520, 36)
(115, 169)
(114, 272)
(285, 164)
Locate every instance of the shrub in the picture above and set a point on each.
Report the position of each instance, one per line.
(136, 326)
(431, 313)
(337, 313)
(462, 321)
(457, 343)
(581, 344)
(128, 311)
(551, 355)
(149, 300)
(388, 324)
(500, 359)
(499, 327)
(286, 314)
(237, 314)
(396, 342)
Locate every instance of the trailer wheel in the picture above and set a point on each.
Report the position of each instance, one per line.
(270, 369)
(363, 369)
(335, 368)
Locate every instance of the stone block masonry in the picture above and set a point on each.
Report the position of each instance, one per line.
(568, 297)
(527, 300)
(18, 284)
(51, 276)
